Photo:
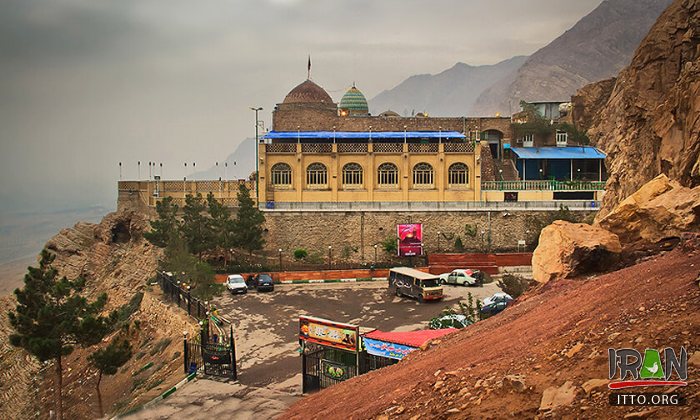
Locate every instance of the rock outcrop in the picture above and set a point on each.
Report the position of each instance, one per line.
(651, 122)
(569, 249)
(661, 209)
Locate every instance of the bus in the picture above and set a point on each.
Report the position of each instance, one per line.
(404, 281)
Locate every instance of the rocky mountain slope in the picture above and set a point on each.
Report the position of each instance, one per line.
(546, 356)
(596, 48)
(449, 93)
(114, 258)
(651, 121)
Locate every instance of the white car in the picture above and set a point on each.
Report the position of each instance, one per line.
(236, 284)
(463, 277)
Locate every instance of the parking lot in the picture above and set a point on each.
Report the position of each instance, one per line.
(266, 324)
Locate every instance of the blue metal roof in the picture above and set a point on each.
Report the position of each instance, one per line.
(363, 135)
(569, 152)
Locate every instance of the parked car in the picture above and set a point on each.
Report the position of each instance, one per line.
(496, 303)
(463, 277)
(264, 283)
(236, 284)
(449, 321)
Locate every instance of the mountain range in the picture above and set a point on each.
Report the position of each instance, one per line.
(597, 47)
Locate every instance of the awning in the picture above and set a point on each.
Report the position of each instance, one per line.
(396, 345)
(363, 135)
(569, 152)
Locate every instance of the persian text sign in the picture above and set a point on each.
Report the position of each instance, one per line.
(329, 333)
(384, 349)
(410, 239)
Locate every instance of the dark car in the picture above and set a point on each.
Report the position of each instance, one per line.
(264, 283)
(496, 303)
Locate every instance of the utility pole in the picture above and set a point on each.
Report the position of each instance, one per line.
(257, 161)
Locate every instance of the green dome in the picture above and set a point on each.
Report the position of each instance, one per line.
(354, 102)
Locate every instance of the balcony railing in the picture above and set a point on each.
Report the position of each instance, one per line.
(281, 148)
(388, 147)
(459, 147)
(543, 185)
(352, 147)
(423, 148)
(316, 148)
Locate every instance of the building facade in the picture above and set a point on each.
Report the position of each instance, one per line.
(319, 152)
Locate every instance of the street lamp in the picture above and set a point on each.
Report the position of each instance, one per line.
(329, 256)
(438, 248)
(280, 251)
(256, 109)
(375, 254)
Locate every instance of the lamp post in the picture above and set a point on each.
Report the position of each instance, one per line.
(375, 254)
(438, 248)
(329, 256)
(120, 171)
(256, 109)
(138, 166)
(280, 251)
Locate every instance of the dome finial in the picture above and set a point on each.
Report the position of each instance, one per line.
(308, 69)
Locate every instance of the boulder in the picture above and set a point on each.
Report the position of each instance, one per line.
(661, 209)
(555, 397)
(569, 249)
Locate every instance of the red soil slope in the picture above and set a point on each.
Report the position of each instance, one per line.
(558, 333)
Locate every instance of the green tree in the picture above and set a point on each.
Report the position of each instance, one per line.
(108, 360)
(459, 245)
(197, 274)
(221, 225)
(167, 225)
(248, 223)
(51, 318)
(389, 245)
(196, 226)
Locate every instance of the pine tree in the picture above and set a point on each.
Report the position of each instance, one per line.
(166, 226)
(248, 223)
(196, 229)
(221, 225)
(108, 360)
(51, 318)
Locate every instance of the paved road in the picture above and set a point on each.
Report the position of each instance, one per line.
(266, 342)
(266, 324)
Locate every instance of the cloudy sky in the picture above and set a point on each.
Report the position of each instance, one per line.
(86, 84)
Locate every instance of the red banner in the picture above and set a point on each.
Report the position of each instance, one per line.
(410, 239)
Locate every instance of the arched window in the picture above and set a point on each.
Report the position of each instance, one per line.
(352, 175)
(281, 175)
(458, 174)
(387, 175)
(316, 175)
(423, 175)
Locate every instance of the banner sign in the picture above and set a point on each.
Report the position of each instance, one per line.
(410, 239)
(328, 333)
(384, 349)
(334, 370)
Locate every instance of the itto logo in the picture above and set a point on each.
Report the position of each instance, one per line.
(648, 370)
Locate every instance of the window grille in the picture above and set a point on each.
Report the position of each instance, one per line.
(423, 175)
(388, 174)
(316, 175)
(352, 175)
(281, 175)
(458, 174)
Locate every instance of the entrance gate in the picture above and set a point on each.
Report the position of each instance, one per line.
(323, 367)
(216, 354)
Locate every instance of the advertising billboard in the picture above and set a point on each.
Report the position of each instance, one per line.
(329, 333)
(410, 238)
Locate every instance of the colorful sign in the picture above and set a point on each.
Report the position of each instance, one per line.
(410, 239)
(334, 370)
(328, 333)
(384, 349)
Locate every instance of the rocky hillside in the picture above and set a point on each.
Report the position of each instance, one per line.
(651, 121)
(449, 93)
(596, 48)
(114, 258)
(546, 356)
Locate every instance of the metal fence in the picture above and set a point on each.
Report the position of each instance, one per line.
(543, 185)
(436, 206)
(181, 296)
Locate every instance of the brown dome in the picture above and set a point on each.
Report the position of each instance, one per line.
(308, 92)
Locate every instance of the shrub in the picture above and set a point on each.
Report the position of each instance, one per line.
(514, 285)
(459, 246)
(389, 245)
(300, 254)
